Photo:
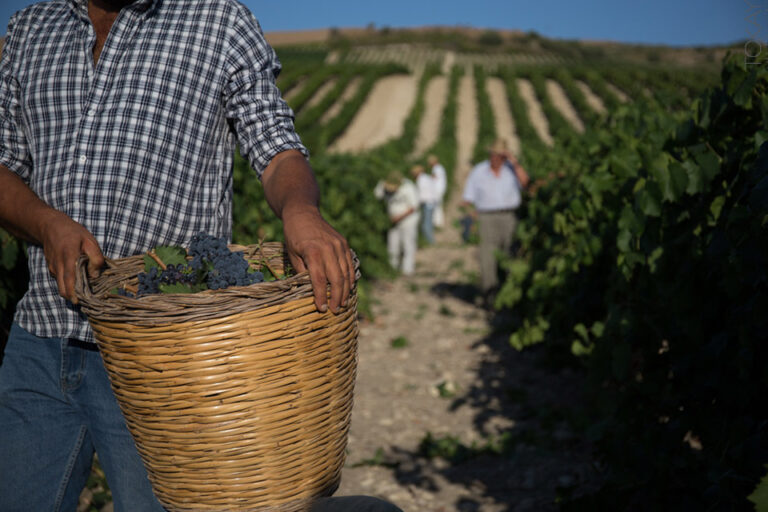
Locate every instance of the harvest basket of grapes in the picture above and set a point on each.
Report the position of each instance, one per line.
(238, 398)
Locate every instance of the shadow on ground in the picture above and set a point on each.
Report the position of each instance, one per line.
(531, 456)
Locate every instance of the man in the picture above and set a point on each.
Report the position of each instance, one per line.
(426, 187)
(118, 123)
(494, 190)
(441, 184)
(402, 208)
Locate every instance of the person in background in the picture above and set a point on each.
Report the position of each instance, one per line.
(118, 126)
(441, 184)
(425, 184)
(493, 190)
(402, 200)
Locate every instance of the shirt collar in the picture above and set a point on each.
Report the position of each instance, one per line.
(81, 6)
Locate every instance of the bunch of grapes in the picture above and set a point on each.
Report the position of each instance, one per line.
(225, 268)
(181, 274)
(212, 266)
(149, 282)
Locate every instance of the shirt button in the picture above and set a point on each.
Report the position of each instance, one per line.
(83, 159)
(92, 111)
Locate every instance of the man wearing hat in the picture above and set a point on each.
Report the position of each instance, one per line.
(402, 199)
(494, 191)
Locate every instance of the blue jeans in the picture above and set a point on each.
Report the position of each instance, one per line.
(56, 409)
(427, 223)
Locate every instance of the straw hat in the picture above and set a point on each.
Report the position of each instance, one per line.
(499, 146)
(393, 181)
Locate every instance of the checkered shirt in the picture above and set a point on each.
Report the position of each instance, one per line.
(138, 148)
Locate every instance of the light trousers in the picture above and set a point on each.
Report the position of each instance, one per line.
(496, 230)
(402, 242)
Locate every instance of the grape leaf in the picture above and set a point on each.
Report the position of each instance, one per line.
(9, 254)
(695, 180)
(715, 208)
(171, 254)
(741, 88)
(708, 161)
(678, 182)
(760, 495)
(168, 254)
(649, 200)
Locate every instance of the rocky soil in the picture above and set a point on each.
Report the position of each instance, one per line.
(432, 364)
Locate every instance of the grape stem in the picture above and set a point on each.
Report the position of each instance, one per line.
(155, 257)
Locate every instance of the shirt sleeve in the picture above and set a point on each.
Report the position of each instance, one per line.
(470, 194)
(262, 120)
(14, 150)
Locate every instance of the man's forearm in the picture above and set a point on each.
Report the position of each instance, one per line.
(311, 243)
(63, 240)
(290, 185)
(22, 213)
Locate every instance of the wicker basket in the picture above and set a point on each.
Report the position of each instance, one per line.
(238, 399)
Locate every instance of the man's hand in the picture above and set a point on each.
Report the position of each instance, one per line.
(468, 208)
(397, 218)
(311, 243)
(63, 241)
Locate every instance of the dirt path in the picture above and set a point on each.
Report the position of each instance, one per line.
(435, 97)
(430, 364)
(467, 126)
(320, 93)
(593, 99)
(348, 93)
(623, 97)
(505, 125)
(455, 380)
(563, 105)
(293, 91)
(535, 114)
(382, 115)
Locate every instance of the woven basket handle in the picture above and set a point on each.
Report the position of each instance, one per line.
(83, 289)
(82, 286)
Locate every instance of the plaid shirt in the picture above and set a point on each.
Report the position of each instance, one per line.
(138, 148)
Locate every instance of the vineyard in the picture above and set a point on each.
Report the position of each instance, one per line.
(638, 275)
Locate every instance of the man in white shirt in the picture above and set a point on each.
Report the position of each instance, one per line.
(441, 184)
(425, 183)
(494, 189)
(402, 199)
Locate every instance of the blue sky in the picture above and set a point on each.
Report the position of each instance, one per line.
(672, 22)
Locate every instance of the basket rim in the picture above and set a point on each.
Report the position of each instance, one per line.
(97, 301)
